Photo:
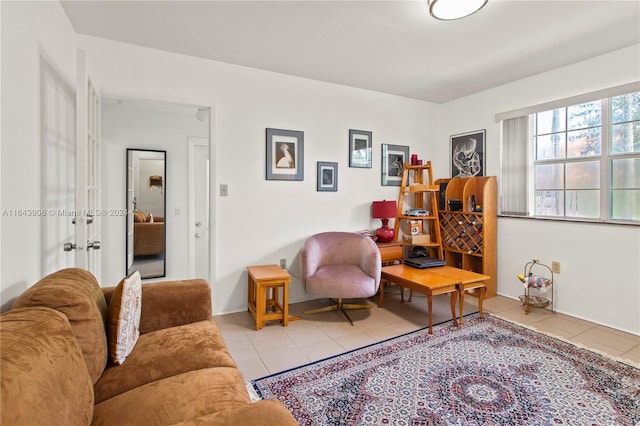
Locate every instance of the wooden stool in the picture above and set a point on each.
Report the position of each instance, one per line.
(263, 280)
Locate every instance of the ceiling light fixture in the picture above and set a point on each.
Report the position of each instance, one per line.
(448, 10)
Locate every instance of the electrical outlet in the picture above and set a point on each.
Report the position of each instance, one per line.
(224, 190)
(555, 267)
(283, 263)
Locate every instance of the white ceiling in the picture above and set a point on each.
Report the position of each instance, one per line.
(387, 46)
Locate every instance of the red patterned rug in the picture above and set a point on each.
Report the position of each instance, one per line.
(487, 372)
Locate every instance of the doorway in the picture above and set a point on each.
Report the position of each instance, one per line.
(129, 123)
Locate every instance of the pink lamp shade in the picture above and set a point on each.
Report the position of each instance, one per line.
(384, 210)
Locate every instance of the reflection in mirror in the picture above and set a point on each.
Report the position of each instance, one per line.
(146, 206)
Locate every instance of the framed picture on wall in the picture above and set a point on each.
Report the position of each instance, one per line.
(467, 154)
(285, 154)
(393, 159)
(360, 143)
(327, 176)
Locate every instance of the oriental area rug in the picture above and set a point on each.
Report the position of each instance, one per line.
(486, 372)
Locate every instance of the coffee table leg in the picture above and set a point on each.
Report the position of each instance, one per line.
(429, 305)
(461, 294)
(483, 289)
(454, 297)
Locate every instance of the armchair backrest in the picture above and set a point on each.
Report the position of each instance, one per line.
(339, 248)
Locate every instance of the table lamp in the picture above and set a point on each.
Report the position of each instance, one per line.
(384, 210)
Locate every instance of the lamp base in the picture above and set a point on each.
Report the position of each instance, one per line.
(385, 234)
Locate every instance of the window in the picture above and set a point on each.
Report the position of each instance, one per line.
(584, 161)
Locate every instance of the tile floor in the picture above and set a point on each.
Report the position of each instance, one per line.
(275, 348)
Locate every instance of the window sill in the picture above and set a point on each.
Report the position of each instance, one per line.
(577, 220)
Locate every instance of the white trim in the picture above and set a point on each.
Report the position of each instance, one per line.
(573, 100)
(192, 142)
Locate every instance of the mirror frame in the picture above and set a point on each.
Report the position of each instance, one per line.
(129, 200)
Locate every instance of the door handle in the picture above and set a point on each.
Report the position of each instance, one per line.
(68, 246)
(198, 224)
(89, 220)
(198, 234)
(93, 244)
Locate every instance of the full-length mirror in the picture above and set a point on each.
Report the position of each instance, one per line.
(146, 208)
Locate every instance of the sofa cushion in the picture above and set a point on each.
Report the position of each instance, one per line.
(76, 293)
(267, 412)
(44, 378)
(175, 399)
(165, 353)
(124, 317)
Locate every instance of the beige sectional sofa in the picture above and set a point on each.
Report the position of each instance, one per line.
(55, 369)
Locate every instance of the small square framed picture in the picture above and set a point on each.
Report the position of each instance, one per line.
(327, 176)
(285, 155)
(393, 159)
(360, 151)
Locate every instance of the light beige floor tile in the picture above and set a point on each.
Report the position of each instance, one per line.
(241, 348)
(614, 339)
(355, 340)
(632, 355)
(252, 368)
(321, 350)
(519, 316)
(497, 303)
(303, 333)
(280, 360)
(562, 326)
(597, 347)
(270, 338)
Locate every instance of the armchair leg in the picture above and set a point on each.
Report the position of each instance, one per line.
(338, 305)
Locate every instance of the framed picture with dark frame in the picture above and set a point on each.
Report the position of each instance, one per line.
(393, 159)
(360, 148)
(327, 176)
(285, 154)
(467, 154)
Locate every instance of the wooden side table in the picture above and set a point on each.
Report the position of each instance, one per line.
(264, 304)
(390, 252)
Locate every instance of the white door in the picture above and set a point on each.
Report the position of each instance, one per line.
(87, 170)
(198, 207)
(58, 118)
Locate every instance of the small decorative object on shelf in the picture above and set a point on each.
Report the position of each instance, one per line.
(540, 283)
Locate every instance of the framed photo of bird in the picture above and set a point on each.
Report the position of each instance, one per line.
(285, 154)
(467, 154)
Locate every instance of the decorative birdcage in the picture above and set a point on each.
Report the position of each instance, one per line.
(538, 286)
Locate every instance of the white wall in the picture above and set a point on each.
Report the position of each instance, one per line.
(262, 221)
(145, 126)
(32, 33)
(600, 263)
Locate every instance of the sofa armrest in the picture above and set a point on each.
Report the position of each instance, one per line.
(267, 412)
(172, 303)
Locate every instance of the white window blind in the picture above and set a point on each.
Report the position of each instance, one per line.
(515, 167)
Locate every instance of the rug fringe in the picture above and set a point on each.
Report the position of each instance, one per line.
(564, 339)
(253, 395)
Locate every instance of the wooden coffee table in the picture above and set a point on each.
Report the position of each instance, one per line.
(434, 281)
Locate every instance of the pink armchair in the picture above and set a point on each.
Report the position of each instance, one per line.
(340, 265)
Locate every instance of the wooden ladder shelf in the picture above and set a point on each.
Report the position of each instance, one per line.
(419, 192)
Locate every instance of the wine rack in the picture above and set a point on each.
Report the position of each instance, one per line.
(462, 232)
